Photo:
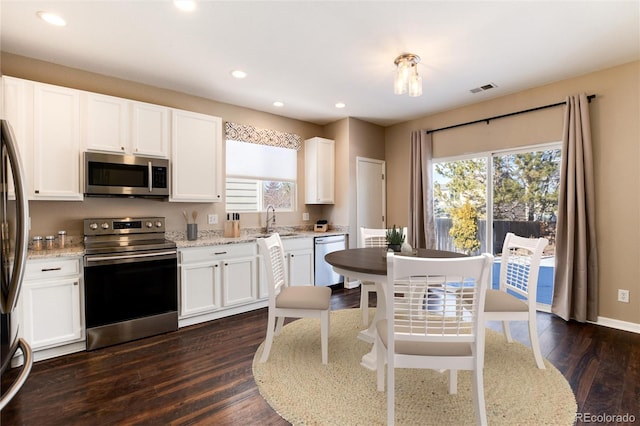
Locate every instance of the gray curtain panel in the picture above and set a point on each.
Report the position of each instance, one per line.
(421, 227)
(576, 274)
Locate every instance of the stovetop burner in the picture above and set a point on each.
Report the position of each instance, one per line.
(108, 235)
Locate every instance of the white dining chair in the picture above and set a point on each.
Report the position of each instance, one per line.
(451, 334)
(371, 237)
(515, 300)
(299, 301)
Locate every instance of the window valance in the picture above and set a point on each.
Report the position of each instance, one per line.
(251, 134)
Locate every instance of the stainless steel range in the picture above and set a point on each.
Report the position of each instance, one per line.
(130, 279)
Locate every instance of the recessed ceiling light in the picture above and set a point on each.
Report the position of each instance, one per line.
(341, 105)
(238, 74)
(51, 18)
(278, 104)
(185, 5)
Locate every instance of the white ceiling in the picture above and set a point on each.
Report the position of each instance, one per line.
(312, 54)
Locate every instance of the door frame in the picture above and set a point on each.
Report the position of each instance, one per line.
(359, 185)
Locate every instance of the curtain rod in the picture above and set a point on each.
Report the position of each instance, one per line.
(487, 120)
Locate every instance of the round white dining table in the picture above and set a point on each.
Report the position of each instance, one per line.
(370, 264)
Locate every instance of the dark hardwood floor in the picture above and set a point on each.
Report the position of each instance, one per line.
(202, 375)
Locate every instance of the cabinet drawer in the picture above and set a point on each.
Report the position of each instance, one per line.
(38, 270)
(297, 243)
(219, 252)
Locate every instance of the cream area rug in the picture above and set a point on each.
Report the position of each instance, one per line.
(303, 391)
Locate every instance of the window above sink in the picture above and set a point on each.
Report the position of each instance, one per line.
(260, 175)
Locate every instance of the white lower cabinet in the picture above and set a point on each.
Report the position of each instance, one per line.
(298, 255)
(240, 280)
(217, 281)
(52, 314)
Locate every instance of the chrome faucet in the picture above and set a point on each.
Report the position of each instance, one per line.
(273, 217)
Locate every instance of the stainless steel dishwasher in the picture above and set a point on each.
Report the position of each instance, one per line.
(324, 274)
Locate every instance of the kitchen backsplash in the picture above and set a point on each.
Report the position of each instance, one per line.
(48, 217)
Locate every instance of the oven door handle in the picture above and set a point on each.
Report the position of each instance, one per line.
(129, 256)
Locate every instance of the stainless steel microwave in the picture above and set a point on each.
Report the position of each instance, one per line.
(125, 175)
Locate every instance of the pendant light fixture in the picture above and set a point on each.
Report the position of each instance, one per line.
(407, 77)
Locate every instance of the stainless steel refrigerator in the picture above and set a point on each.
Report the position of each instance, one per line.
(14, 216)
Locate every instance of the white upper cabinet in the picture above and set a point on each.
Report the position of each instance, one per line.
(16, 110)
(196, 157)
(119, 125)
(319, 167)
(106, 121)
(149, 129)
(54, 125)
(56, 143)
(45, 123)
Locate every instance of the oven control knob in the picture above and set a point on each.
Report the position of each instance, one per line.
(105, 225)
(149, 225)
(158, 224)
(93, 226)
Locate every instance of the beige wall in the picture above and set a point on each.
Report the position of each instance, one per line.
(366, 140)
(354, 138)
(47, 216)
(338, 213)
(615, 115)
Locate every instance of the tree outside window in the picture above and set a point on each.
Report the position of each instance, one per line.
(277, 194)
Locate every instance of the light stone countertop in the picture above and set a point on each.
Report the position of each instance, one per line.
(213, 239)
(205, 238)
(69, 251)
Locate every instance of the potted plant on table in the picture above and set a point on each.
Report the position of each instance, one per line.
(395, 238)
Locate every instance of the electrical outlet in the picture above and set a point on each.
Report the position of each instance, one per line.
(623, 296)
(305, 216)
(213, 219)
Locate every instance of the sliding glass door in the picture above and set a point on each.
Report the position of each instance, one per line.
(521, 197)
(460, 204)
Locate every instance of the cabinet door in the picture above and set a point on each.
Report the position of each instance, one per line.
(319, 171)
(17, 109)
(149, 129)
(300, 267)
(263, 282)
(239, 283)
(106, 123)
(199, 291)
(325, 178)
(196, 153)
(51, 312)
(56, 143)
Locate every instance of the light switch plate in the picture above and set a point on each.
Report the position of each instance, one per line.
(212, 219)
(305, 216)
